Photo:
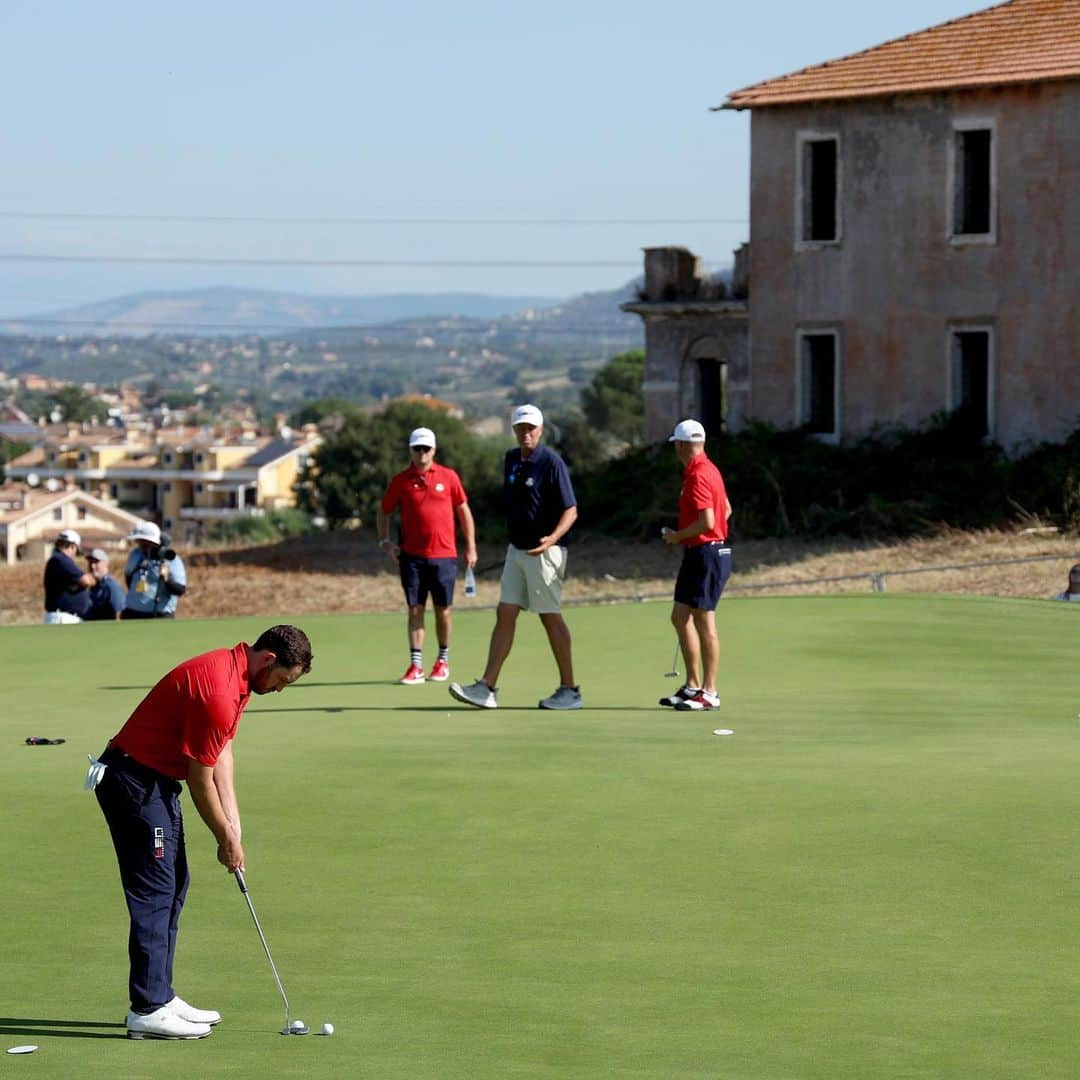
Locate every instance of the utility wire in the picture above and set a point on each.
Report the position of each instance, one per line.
(213, 260)
(230, 219)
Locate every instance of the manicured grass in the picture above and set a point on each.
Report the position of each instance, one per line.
(874, 878)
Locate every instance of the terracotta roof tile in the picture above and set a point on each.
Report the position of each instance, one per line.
(1021, 41)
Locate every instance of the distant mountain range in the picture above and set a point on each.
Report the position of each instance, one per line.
(216, 311)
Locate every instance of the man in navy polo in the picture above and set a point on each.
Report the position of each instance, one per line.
(67, 585)
(540, 509)
(706, 565)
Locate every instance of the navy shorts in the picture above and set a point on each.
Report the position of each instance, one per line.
(702, 576)
(421, 577)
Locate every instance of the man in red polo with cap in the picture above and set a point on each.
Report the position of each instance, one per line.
(706, 565)
(429, 496)
(182, 730)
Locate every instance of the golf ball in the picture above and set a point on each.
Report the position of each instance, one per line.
(298, 1025)
(328, 1029)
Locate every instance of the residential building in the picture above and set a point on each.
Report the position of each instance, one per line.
(184, 480)
(915, 242)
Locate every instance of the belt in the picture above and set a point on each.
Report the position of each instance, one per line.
(115, 758)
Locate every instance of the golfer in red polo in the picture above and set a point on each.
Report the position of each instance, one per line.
(706, 565)
(428, 496)
(181, 730)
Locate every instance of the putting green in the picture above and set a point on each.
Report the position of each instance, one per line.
(875, 877)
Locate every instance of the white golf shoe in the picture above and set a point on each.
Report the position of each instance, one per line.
(478, 694)
(192, 1015)
(163, 1023)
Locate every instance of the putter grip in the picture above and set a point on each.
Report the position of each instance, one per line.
(241, 883)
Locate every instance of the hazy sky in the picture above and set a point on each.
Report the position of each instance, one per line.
(416, 110)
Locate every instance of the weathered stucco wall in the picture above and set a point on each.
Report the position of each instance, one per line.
(895, 282)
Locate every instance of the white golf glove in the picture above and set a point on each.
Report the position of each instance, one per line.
(94, 773)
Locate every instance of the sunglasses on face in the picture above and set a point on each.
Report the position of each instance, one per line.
(421, 449)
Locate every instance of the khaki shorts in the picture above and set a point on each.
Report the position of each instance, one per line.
(534, 582)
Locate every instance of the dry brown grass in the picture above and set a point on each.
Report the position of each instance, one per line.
(344, 572)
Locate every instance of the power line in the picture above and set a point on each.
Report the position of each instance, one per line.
(236, 219)
(214, 260)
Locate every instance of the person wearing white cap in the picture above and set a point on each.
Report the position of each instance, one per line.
(67, 585)
(706, 565)
(540, 509)
(154, 574)
(428, 496)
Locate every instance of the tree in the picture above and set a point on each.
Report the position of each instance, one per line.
(349, 472)
(614, 401)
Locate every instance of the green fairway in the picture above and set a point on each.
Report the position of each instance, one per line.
(876, 877)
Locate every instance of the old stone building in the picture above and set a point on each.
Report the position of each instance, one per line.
(915, 243)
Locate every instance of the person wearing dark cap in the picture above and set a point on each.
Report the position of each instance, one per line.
(67, 585)
(107, 595)
(706, 565)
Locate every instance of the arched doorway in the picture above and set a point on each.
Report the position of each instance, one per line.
(708, 370)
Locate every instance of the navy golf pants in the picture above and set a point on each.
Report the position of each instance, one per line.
(142, 809)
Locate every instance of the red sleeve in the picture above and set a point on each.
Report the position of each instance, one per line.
(700, 493)
(208, 727)
(457, 491)
(393, 495)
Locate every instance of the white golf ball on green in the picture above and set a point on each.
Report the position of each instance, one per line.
(328, 1029)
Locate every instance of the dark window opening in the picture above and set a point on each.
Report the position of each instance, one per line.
(819, 383)
(972, 379)
(973, 193)
(712, 375)
(819, 189)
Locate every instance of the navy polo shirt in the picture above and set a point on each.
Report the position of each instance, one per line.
(536, 491)
(62, 573)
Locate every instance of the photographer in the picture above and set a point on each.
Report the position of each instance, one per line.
(154, 574)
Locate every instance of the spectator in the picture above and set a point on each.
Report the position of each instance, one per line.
(540, 509)
(67, 595)
(1072, 589)
(154, 575)
(706, 565)
(428, 497)
(107, 596)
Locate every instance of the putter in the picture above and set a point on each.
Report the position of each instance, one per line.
(288, 1029)
(674, 672)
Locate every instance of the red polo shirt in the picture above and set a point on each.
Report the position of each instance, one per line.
(703, 487)
(191, 713)
(427, 502)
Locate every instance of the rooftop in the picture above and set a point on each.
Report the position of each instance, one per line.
(1021, 41)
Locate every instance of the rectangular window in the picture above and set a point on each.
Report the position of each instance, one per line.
(973, 182)
(80, 513)
(58, 514)
(819, 383)
(972, 379)
(819, 188)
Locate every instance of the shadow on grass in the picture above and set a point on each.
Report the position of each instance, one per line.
(60, 1029)
(456, 708)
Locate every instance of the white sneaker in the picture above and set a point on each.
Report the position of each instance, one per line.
(163, 1023)
(478, 693)
(192, 1015)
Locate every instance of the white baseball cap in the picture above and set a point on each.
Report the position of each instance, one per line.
(527, 414)
(146, 530)
(422, 436)
(69, 536)
(688, 431)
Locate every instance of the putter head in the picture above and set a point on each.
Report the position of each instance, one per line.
(671, 674)
(292, 1029)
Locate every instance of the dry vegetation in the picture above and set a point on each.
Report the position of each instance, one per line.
(344, 572)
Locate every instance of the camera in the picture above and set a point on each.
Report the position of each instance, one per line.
(166, 552)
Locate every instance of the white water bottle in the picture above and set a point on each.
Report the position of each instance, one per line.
(470, 581)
